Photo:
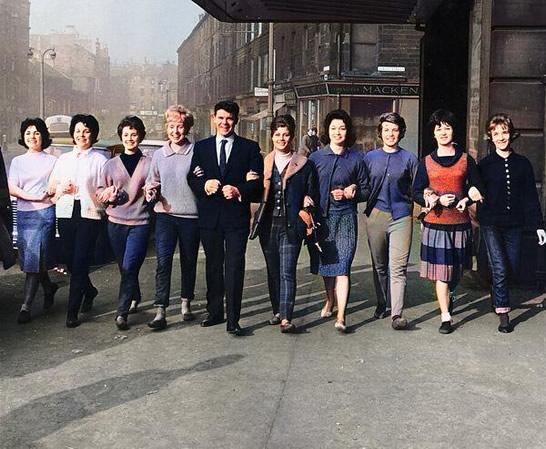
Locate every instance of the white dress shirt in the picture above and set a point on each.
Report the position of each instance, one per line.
(229, 146)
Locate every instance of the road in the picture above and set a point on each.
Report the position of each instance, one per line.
(200, 388)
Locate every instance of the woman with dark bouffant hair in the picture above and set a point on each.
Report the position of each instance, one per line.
(28, 181)
(446, 182)
(121, 190)
(510, 203)
(342, 184)
(290, 184)
(73, 183)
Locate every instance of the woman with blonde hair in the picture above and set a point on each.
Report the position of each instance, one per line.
(176, 210)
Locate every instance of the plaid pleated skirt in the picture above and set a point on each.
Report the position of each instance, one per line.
(338, 238)
(446, 251)
(35, 234)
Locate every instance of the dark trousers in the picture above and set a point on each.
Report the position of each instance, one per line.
(503, 251)
(170, 230)
(78, 238)
(130, 244)
(225, 271)
(281, 258)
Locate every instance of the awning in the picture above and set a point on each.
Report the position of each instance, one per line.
(305, 11)
(263, 114)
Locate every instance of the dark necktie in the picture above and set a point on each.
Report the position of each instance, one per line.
(223, 157)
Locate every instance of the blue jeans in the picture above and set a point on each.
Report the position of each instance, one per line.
(130, 244)
(503, 251)
(170, 230)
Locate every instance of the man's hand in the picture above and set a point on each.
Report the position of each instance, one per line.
(212, 186)
(230, 192)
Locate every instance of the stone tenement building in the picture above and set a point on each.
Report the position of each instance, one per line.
(364, 69)
(14, 25)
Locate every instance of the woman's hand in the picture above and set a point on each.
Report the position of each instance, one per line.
(252, 176)
(475, 195)
(338, 194)
(461, 205)
(108, 195)
(447, 199)
(68, 187)
(349, 192)
(150, 193)
(308, 201)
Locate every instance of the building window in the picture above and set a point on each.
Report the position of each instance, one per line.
(364, 48)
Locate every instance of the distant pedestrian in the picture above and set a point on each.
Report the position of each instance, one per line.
(176, 219)
(342, 184)
(510, 202)
(389, 210)
(73, 182)
(28, 182)
(311, 141)
(121, 191)
(218, 178)
(290, 184)
(443, 184)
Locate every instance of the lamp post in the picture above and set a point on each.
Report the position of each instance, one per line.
(53, 55)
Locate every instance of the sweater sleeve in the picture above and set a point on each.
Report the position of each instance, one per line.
(363, 182)
(420, 183)
(473, 178)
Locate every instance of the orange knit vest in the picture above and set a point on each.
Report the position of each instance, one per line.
(447, 180)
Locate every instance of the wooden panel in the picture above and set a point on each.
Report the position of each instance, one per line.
(524, 101)
(519, 13)
(532, 147)
(519, 54)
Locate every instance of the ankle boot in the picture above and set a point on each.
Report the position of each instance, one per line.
(32, 281)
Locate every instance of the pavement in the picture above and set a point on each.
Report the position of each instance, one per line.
(199, 388)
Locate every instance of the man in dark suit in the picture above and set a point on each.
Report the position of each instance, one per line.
(226, 176)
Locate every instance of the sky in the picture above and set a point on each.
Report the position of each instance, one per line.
(133, 30)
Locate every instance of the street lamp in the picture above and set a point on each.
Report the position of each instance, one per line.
(52, 55)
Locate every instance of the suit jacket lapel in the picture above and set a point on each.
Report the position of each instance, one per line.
(213, 158)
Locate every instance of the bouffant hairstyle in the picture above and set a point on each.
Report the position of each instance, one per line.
(396, 119)
(442, 116)
(40, 127)
(134, 122)
(338, 114)
(90, 122)
(176, 112)
(504, 120)
(284, 121)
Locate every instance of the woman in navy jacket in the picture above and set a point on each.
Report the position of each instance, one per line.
(290, 184)
(510, 203)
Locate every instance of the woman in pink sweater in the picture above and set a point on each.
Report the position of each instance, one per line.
(122, 180)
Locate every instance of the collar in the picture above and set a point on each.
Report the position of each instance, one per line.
(229, 138)
(81, 153)
(168, 151)
(330, 152)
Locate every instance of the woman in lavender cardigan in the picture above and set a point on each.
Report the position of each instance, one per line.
(176, 210)
(121, 189)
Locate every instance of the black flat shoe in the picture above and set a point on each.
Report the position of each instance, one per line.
(87, 304)
(288, 328)
(234, 330)
(49, 298)
(446, 327)
(121, 323)
(73, 322)
(24, 317)
(207, 322)
(505, 325)
(158, 325)
(380, 313)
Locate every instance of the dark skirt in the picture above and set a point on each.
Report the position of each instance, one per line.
(35, 234)
(445, 251)
(338, 238)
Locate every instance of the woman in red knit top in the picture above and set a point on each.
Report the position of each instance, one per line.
(442, 184)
